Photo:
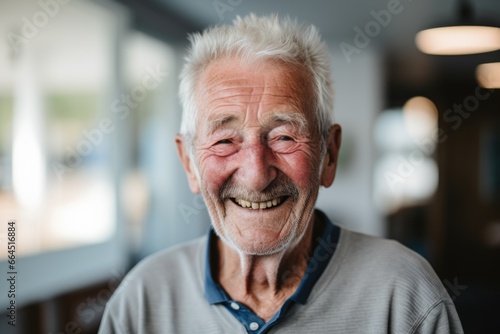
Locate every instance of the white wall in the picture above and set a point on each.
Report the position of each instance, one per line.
(358, 100)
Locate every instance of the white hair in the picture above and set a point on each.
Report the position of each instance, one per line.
(256, 39)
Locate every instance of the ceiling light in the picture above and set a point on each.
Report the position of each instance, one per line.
(421, 118)
(488, 75)
(465, 37)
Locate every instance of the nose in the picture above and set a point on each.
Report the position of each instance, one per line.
(256, 170)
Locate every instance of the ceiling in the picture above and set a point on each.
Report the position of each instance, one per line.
(335, 19)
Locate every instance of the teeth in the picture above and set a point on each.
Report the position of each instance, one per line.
(258, 205)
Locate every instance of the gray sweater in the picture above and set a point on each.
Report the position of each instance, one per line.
(371, 285)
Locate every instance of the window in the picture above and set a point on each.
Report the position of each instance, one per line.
(55, 124)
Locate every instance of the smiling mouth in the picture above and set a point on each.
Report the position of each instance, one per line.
(275, 202)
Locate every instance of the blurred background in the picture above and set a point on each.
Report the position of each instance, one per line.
(90, 178)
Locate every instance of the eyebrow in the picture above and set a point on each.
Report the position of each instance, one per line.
(217, 122)
(296, 120)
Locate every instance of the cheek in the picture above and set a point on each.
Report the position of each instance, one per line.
(301, 167)
(213, 171)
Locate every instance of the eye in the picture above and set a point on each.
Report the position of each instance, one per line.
(225, 147)
(284, 143)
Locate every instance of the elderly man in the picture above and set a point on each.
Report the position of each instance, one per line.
(257, 140)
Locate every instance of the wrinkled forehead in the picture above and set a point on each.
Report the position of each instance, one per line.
(230, 80)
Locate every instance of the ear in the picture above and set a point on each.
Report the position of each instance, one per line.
(187, 164)
(331, 156)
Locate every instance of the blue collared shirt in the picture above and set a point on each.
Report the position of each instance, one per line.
(321, 256)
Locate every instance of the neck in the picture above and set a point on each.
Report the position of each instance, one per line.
(264, 283)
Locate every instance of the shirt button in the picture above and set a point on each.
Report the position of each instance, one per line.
(254, 326)
(235, 306)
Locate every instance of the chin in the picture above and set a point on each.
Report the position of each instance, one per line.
(259, 243)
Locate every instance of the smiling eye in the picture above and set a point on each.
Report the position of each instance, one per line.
(224, 147)
(285, 138)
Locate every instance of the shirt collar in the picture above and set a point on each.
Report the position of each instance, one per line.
(316, 265)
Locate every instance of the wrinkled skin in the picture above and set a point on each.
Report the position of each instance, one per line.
(257, 142)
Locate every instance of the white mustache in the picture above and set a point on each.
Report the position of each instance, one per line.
(278, 188)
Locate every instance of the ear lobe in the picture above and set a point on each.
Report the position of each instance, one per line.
(187, 164)
(331, 156)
